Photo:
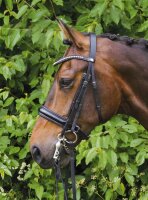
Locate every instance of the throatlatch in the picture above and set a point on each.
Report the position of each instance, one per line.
(69, 124)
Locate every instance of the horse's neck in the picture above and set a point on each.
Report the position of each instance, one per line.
(133, 78)
(133, 104)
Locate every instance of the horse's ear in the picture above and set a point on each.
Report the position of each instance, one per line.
(76, 37)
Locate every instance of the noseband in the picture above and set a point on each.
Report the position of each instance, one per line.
(69, 124)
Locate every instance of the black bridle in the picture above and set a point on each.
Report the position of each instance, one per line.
(69, 124)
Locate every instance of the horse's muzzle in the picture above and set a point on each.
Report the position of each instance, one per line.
(47, 162)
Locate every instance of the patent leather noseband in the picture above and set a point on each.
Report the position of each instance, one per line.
(69, 124)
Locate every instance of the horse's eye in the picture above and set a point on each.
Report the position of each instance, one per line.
(66, 83)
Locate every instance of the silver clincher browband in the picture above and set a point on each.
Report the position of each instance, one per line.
(64, 59)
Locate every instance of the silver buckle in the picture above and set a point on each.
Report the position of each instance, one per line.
(57, 151)
(75, 135)
(59, 145)
(62, 142)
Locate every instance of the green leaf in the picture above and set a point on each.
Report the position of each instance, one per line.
(101, 8)
(129, 178)
(5, 71)
(7, 171)
(136, 142)
(115, 14)
(131, 11)
(112, 158)
(38, 14)
(4, 141)
(5, 95)
(143, 27)
(130, 128)
(36, 36)
(2, 173)
(34, 2)
(123, 136)
(104, 141)
(49, 36)
(39, 191)
(6, 20)
(57, 40)
(28, 174)
(22, 11)
(140, 157)
(113, 143)
(45, 85)
(9, 4)
(119, 4)
(132, 169)
(124, 157)
(98, 9)
(109, 194)
(125, 21)
(35, 94)
(98, 29)
(14, 150)
(35, 58)
(22, 154)
(102, 159)
(23, 117)
(92, 153)
(13, 37)
(144, 3)
(9, 121)
(58, 2)
(30, 124)
(8, 102)
(20, 65)
(121, 189)
(113, 172)
(116, 183)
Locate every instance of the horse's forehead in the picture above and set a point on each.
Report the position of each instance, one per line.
(65, 68)
(73, 66)
(67, 71)
(68, 68)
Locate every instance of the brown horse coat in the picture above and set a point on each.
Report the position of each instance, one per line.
(121, 69)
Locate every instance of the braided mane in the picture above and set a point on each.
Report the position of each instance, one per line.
(116, 37)
(127, 40)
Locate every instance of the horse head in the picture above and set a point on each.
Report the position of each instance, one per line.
(67, 81)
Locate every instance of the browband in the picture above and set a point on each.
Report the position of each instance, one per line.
(64, 59)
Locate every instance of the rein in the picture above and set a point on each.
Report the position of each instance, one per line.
(69, 124)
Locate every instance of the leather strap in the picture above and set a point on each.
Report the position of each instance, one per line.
(61, 121)
(93, 46)
(72, 164)
(58, 177)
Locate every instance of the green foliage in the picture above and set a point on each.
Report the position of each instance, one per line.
(30, 41)
(116, 155)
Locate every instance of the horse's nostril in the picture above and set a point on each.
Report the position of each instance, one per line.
(36, 154)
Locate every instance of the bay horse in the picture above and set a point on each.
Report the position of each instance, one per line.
(121, 74)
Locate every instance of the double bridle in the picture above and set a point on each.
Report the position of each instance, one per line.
(69, 124)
